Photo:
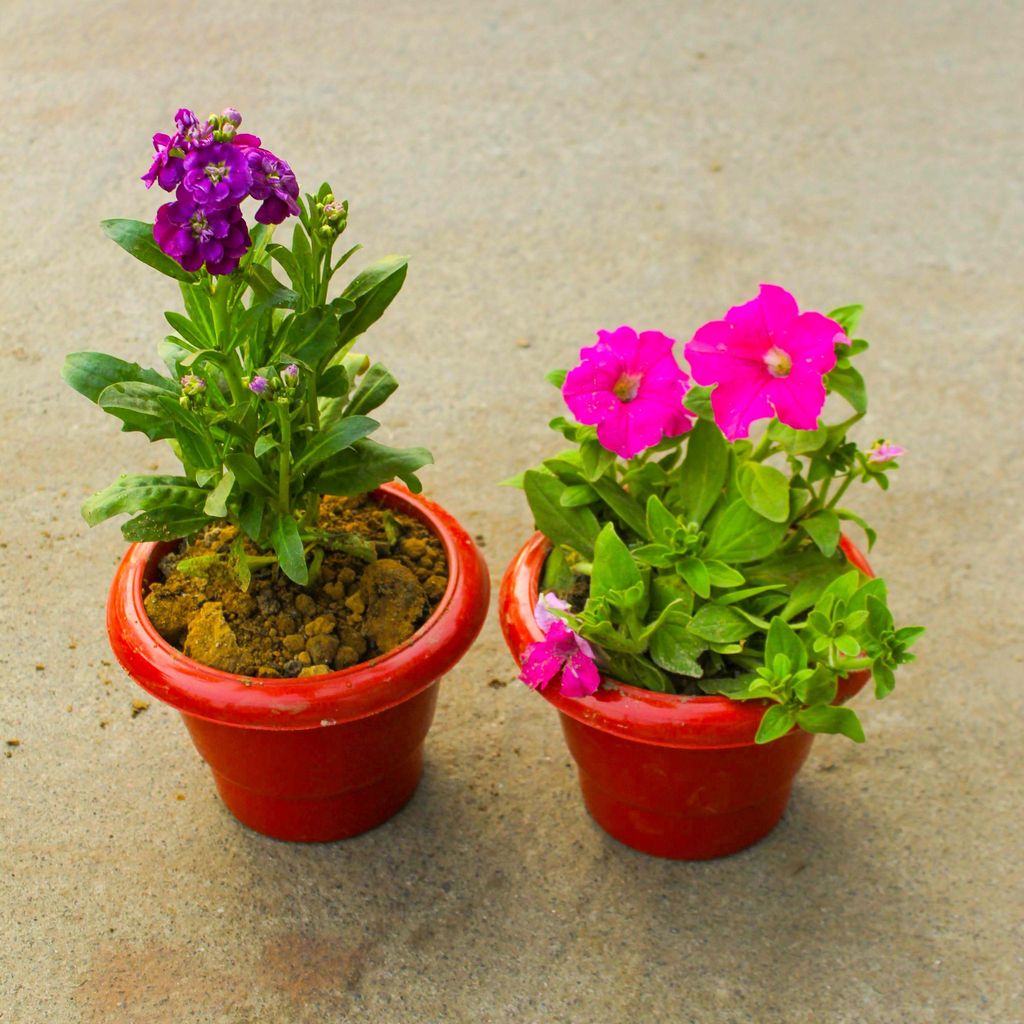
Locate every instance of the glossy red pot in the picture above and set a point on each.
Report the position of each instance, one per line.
(673, 776)
(318, 758)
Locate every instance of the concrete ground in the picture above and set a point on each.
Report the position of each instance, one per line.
(553, 167)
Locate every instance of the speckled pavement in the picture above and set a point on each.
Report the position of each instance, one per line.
(552, 168)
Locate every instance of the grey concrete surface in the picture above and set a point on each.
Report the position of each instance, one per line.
(553, 167)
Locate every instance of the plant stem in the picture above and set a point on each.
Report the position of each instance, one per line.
(842, 490)
(284, 461)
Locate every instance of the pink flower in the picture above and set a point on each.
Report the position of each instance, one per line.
(882, 452)
(767, 359)
(632, 388)
(561, 651)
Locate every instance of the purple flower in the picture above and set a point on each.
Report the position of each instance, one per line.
(192, 131)
(883, 452)
(274, 183)
(290, 375)
(560, 652)
(192, 385)
(259, 385)
(166, 169)
(632, 388)
(192, 235)
(216, 176)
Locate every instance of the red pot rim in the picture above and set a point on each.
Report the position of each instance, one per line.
(619, 708)
(336, 697)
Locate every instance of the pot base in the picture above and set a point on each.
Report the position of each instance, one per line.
(682, 837)
(326, 819)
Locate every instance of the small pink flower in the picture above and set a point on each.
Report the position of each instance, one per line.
(632, 388)
(767, 359)
(561, 651)
(882, 452)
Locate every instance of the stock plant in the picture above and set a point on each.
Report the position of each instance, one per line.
(263, 398)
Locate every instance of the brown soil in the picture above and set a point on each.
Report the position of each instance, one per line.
(356, 610)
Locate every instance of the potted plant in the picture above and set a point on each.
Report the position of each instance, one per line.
(296, 605)
(690, 604)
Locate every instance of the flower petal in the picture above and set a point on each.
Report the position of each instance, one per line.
(580, 677)
(542, 661)
(797, 399)
(738, 401)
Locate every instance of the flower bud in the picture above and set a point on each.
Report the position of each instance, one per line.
(290, 375)
(231, 116)
(259, 385)
(191, 385)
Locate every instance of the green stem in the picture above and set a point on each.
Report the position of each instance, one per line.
(284, 461)
(219, 306)
(842, 490)
(762, 450)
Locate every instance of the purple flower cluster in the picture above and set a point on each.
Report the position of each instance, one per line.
(212, 168)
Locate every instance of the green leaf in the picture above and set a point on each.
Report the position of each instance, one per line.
(173, 353)
(722, 575)
(720, 624)
(268, 290)
(698, 401)
(594, 459)
(782, 639)
(333, 383)
(621, 504)
(136, 237)
(556, 377)
(309, 337)
(765, 490)
(130, 493)
(848, 382)
(829, 719)
(847, 317)
(249, 473)
(817, 686)
(216, 503)
(777, 721)
(188, 330)
(614, 568)
(576, 527)
(138, 406)
(376, 385)
(675, 649)
(250, 514)
(703, 471)
(695, 572)
(240, 563)
(367, 465)
(334, 439)
(796, 442)
(845, 515)
(285, 539)
(90, 373)
(736, 596)
(372, 292)
(660, 522)
(578, 494)
(823, 529)
(885, 680)
(741, 535)
(168, 523)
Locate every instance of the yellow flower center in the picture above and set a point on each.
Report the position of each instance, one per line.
(627, 386)
(778, 362)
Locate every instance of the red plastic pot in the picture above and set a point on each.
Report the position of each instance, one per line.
(673, 776)
(324, 757)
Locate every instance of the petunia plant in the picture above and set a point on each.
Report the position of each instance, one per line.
(263, 398)
(690, 558)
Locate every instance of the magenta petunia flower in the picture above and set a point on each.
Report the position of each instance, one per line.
(192, 235)
(882, 452)
(765, 359)
(561, 651)
(274, 183)
(216, 176)
(632, 388)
